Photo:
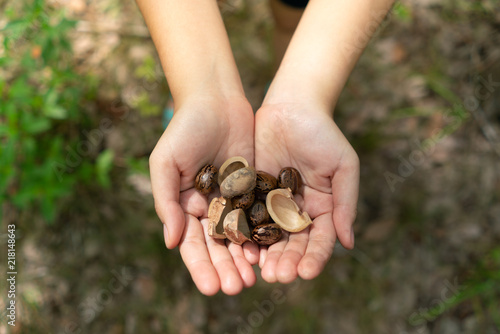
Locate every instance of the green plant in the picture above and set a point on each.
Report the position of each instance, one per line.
(41, 113)
(482, 288)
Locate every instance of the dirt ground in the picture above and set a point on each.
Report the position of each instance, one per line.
(421, 108)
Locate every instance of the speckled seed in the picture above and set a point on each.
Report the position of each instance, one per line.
(265, 182)
(260, 196)
(243, 201)
(267, 234)
(289, 177)
(206, 179)
(257, 214)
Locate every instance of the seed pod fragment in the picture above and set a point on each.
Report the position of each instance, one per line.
(236, 227)
(230, 166)
(285, 212)
(217, 211)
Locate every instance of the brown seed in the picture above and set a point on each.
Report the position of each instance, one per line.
(238, 183)
(206, 179)
(257, 214)
(243, 201)
(289, 177)
(265, 182)
(267, 234)
(260, 196)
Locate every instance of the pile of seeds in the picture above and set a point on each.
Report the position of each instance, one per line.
(254, 205)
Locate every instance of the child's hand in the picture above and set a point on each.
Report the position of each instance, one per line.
(305, 137)
(202, 131)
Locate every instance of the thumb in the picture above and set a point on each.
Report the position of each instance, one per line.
(345, 188)
(165, 181)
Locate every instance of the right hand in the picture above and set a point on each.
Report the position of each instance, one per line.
(204, 130)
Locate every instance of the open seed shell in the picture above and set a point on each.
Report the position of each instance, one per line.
(229, 166)
(236, 227)
(285, 212)
(217, 211)
(239, 182)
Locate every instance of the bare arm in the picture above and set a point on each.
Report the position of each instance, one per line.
(324, 49)
(212, 122)
(294, 127)
(193, 46)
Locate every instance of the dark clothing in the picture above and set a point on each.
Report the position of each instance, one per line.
(296, 3)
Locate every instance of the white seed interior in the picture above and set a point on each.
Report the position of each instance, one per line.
(286, 211)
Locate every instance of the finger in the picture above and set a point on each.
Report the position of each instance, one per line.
(286, 269)
(262, 256)
(251, 252)
(345, 188)
(274, 253)
(319, 248)
(194, 203)
(244, 268)
(165, 182)
(230, 279)
(195, 255)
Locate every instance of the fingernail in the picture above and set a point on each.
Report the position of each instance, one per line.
(352, 236)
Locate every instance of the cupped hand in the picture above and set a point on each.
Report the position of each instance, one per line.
(306, 137)
(202, 131)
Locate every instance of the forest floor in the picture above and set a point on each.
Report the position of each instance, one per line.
(422, 110)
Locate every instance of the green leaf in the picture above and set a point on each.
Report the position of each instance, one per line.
(65, 25)
(146, 70)
(104, 164)
(55, 111)
(20, 89)
(413, 112)
(402, 12)
(7, 157)
(48, 206)
(4, 130)
(143, 102)
(139, 165)
(15, 28)
(51, 108)
(37, 125)
(440, 89)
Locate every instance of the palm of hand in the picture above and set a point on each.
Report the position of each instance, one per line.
(195, 138)
(288, 135)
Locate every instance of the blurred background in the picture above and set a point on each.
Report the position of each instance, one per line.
(81, 100)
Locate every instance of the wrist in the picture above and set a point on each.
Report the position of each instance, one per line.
(294, 88)
(218, 103)
(208, 88)
(212, 75)
(292, 108)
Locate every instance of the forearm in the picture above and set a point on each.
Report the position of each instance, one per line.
(193, 46)
(328, 41)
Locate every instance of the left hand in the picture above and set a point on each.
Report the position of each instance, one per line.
(306, 137)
